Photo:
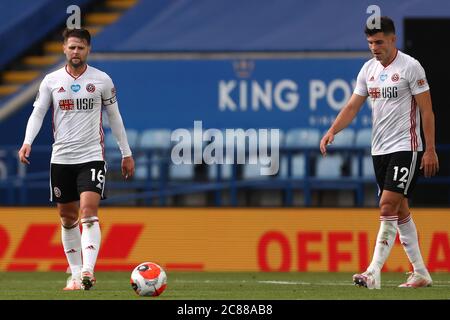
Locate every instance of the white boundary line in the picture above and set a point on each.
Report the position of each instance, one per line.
(388, 283)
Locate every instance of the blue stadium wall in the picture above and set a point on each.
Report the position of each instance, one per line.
(228, 93)
(223, 93)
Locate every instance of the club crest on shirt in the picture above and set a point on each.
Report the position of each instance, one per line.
(75, 87)
(395, 77)
(421, 82)
(90, 87)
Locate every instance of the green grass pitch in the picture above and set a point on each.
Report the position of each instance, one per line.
(221, 286)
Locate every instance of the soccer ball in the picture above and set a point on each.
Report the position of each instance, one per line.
(148, 279)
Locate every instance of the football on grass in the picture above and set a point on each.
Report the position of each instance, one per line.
(148, 279)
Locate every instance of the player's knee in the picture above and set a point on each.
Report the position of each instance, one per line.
(69, 221)
(88, 211)
(68, 217)
(388, 208)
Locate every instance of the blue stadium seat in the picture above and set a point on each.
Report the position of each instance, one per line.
(133, 138)
(298, 166)
(226, 171)
(282, 137)
(181, 171)
(143, 167)
(298, 138)
(364, 138)
(250, 171)
(368, 170)
(344, 138)
(329, 167)
(110, 140)
(302, 137)
(253, 171)
(141, 171)
(367, 167)
(256, 169)
(155, 140)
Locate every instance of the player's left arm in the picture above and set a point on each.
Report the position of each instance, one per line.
(109, 101)
(118, 130)
(430, 162)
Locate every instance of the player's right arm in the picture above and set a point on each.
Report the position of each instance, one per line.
(41, 105)
(344, 118)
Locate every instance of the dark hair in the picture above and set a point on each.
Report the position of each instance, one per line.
(77, 33)
(386, 26)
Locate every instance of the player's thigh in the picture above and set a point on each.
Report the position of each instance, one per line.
(380, 164)
(63, 183)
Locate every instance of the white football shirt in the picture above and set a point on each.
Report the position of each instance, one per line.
(391, 90)
(76, 113)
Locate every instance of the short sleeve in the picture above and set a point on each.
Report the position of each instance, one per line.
(417, 79)
(44, 95)
(361, 86)
(108, 92)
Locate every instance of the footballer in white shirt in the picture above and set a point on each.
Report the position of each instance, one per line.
(78, 93)
(397, 88)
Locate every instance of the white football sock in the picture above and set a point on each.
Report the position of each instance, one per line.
(385, 241)
(90, 242)
(71, 240)
(409, 240)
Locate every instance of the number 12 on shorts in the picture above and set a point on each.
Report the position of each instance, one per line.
(404, 171)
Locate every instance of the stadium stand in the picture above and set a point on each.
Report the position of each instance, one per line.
(201, 28)
(24, 23)
(154, 145)
(33, 34)
(217, 26)
(363, 140)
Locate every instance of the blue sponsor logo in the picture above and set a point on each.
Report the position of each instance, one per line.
(75, 87)
(383, 77)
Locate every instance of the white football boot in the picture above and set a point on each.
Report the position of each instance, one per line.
(370, 280)
(416, 280)
(73, 284)
(87, 280)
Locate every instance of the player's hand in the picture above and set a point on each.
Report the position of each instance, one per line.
(127, 167)
(24, 153)
(430, 163)
(327, 139)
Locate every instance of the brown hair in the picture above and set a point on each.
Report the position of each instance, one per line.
(77, 33)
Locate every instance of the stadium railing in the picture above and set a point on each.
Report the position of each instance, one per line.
(342, 169)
